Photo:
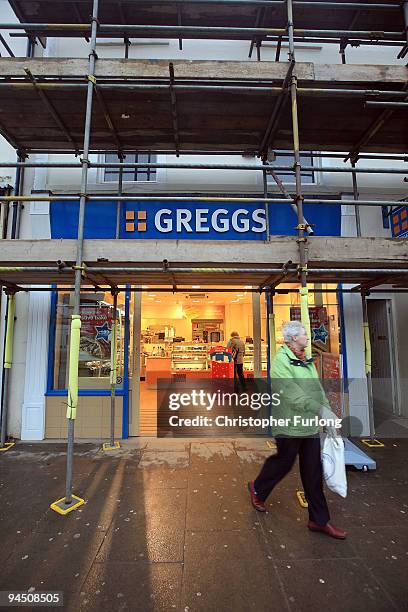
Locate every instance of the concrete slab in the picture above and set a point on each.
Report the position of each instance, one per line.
(256, 456)
(245, 444)
(287, 537)
(130, 586)
(235, 560)
(364, 505)
(382, 543)
(391, 573)
(166, 444)
(332, 584)
(213, 456)
(142, 539)
(173, 459)
(218, 501)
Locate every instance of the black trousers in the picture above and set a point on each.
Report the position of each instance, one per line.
(239, 374)
(277, 466)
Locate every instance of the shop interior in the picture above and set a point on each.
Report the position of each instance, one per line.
(179, 330)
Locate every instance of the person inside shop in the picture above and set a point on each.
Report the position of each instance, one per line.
(300, 393)
(237, 347)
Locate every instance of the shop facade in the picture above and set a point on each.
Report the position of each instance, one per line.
(167, 333)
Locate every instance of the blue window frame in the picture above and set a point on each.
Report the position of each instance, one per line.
(53, 376)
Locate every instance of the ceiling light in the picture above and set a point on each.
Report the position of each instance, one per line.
(248, 287)
(145, 286)
(240, 295)
(152, 294)
(196, 286)
(196, 301)
(158, 301)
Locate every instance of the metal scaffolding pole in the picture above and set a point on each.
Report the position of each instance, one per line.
(197, 31)
(112, 445)
(166, 268)
(120, 192)
(355, 195)
(16, 210)
(70, 501)
(265, 194)
(288, 197)
(209, 199)
(301, 226)
(367, 353)
(268, 167)
(212, 152)
(7, 363)
(224, 289)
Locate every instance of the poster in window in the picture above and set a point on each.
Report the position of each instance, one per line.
(96, 330)
(332, 381)
(319, 324)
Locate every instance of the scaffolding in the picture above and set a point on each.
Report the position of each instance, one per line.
(280, 94)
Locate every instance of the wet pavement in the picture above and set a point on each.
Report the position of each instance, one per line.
(167, 525)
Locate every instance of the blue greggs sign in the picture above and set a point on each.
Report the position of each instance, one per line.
(194, 221)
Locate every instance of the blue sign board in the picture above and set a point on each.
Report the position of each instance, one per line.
(193, 220)
(161, 220)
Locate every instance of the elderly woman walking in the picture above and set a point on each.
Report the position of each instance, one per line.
(302, 399)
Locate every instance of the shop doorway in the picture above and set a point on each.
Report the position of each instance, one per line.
(177, 333)
(382, 358)
(172, 334)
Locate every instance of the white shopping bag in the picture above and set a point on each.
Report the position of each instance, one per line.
(334, 469)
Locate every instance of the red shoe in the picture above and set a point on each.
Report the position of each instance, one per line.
(330, 530)
(257, 503)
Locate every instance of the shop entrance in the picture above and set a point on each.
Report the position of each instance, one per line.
(177, 334)
(173, 334)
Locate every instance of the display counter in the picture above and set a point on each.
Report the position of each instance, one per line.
(189, 360)
(157, 367)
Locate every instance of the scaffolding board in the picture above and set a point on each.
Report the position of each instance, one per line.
(219, 105)
(367, 15)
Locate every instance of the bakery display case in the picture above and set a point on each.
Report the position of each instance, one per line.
(249, 357)
(190, 357)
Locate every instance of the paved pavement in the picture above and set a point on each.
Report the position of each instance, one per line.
(168, 526)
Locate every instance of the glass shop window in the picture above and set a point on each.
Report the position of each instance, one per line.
(96, 339)
(132, 174)
(288, 176)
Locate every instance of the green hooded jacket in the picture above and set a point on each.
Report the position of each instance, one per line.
(301, 395)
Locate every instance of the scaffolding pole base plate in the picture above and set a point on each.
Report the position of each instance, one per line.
(373, 443)
(6, 447)
(61, 507)
(302, 499)
(270, 444)
(106, 446)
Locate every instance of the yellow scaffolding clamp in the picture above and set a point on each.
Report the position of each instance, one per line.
(82, 267)
(302, 499)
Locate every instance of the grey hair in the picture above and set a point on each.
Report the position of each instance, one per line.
(292, 328)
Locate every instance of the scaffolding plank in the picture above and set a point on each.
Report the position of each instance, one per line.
(212, 14)
(216, 119)
(325, 253)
